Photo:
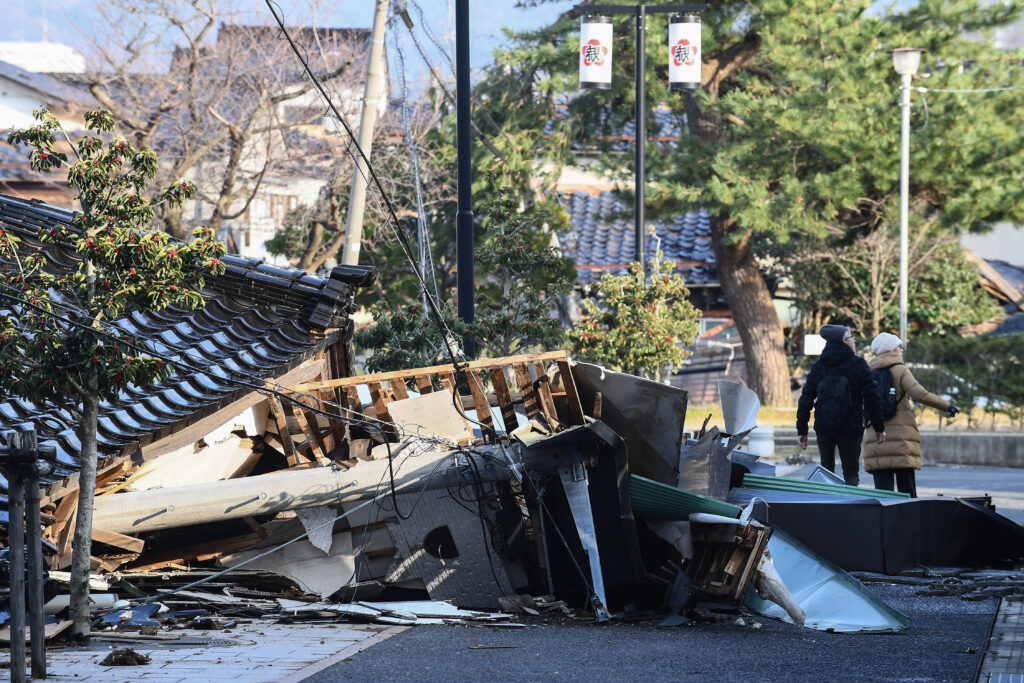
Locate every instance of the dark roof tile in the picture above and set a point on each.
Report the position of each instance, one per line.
(259, 321)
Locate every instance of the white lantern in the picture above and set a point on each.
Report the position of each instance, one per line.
(684, 55)
(596, 52)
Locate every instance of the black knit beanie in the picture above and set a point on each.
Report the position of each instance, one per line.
(834, 332)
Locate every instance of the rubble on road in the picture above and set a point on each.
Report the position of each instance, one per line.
(443, 494)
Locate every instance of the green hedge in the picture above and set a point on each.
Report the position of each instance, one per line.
(985, 372)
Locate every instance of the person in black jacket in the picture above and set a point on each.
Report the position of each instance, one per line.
(840, 389)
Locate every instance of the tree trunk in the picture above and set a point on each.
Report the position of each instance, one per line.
(309, 254)
(755, 316)
(742, 283)
(82, 542)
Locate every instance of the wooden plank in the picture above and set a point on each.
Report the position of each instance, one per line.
(69, 485)
(206, 550)
(197, 430)
(501, 392)
(338, 429)
(482, 364)
(530, 401)
(380, 401)
(67, 530)
(129, 543)
(547, 402)
(595, 412)
(398, 386)
(352, 402)
(480, 403)
(448, 381)
(423, 383)
(115, 487)
(277, 410)
(256, 527)
(572, 397)
(309, 427)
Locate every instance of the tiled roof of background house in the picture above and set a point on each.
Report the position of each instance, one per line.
(1014, 324)
(259, 322)
(601, 240)
(53, 90)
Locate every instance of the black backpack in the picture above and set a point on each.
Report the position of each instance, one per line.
(887, 399)
(834, 404)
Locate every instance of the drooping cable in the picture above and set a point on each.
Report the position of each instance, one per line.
(452, 352)
(422, 225)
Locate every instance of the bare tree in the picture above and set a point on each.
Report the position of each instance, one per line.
(219, 94)
(315, 234)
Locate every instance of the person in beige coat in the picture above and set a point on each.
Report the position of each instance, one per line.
(900, 455)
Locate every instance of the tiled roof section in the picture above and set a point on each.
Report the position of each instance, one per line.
(602, 234)
(259, 321)
(1012, 274)
(1013, 325)
(44, 84)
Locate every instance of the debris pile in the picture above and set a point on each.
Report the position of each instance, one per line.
(445, 493)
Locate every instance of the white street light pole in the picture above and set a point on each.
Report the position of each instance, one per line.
(905, 61)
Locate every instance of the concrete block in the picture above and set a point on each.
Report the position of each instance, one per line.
(973, 448)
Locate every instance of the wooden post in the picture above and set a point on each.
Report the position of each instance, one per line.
(30, 478)
(16, 532)
(508, 411)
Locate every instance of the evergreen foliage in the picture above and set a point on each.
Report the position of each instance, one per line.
(50, 348)
(638, 326)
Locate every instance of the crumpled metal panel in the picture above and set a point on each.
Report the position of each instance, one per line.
(647, 415)
(832, 599)
(704, 465)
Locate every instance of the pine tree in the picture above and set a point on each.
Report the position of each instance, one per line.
(794, 131)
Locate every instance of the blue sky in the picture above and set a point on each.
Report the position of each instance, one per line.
(30, 20)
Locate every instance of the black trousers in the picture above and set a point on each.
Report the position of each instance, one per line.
(906, 481)
(849, 455)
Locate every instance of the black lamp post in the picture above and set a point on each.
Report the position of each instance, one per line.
(596, 74)
(464, 150)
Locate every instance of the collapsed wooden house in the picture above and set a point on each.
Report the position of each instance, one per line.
(209, 465)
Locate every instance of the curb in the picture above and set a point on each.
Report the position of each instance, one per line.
(353, 649)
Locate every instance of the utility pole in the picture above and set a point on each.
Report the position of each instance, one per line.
(361, 175)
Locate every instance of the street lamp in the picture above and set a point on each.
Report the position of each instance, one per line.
(905, 61)
(596, 74)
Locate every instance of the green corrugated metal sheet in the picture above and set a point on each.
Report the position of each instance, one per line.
(654, 499)
(759, 481)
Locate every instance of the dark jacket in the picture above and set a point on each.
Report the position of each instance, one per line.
(902, 447)
(839, 359)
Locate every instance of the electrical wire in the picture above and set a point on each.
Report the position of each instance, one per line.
(308, 532)
(421, 214)
(970, 90)
(393, 488)
(381, 195)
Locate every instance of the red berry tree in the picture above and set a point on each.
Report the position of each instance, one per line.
(58, 346)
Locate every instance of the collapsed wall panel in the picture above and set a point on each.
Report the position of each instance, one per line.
(443, 544)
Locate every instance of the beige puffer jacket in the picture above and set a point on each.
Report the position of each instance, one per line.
(902, 447)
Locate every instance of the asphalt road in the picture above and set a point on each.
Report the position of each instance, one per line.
(945, 643)
(1004, 484)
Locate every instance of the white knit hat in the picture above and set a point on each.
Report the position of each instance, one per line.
(885, 342)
